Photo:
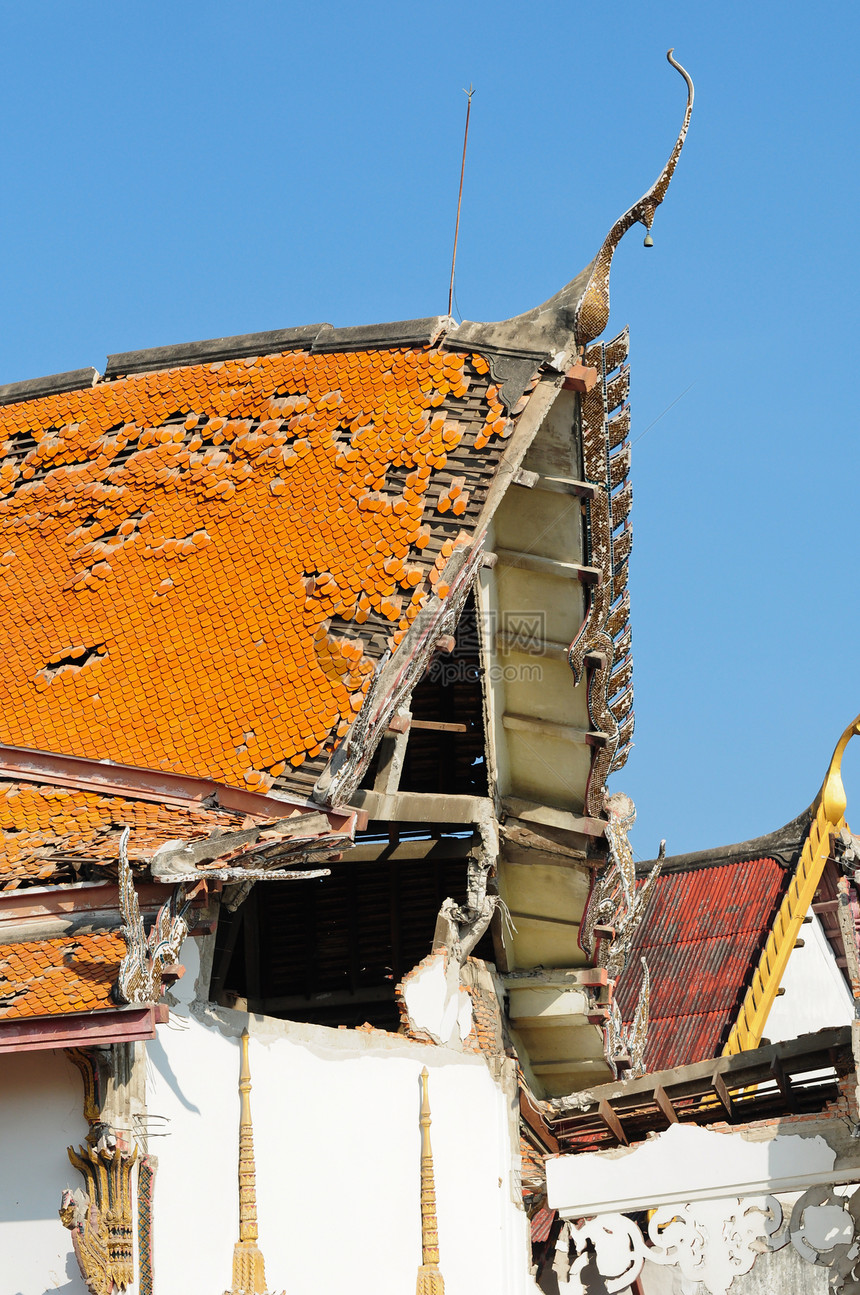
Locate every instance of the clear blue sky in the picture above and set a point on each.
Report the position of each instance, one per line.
(189, 169)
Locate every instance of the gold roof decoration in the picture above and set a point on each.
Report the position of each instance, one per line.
(249, 1273)
(827, 821)
(430, 1280)
(592, 313)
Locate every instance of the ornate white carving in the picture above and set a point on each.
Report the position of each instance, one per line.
(139, 979)
(713, 1242)
(825, 1229)
(618, 1247)
(616, 906)
(625, 1044)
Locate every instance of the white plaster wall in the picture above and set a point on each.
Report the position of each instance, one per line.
(337, 1148)
(41, 1114)
(685, 1163)
(816, 995)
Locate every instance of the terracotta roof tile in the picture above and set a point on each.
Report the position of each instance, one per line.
(701, 936)
(56, 977)
(200, 566)
(51, 833)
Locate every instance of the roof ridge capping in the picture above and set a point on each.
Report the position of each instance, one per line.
(782, 845)
(579, 312)
(51, 385)
(317, 338)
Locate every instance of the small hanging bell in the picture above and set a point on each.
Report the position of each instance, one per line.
(649, 242)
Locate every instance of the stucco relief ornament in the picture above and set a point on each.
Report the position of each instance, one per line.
(100, 1218)
(712, 1242)
(825, 1229)
(139, 978)
(627, 1043)
(616, 905)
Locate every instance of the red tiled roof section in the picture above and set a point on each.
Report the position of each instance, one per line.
(701, 936)
(200, 566)
(57, 977)
(50, 833)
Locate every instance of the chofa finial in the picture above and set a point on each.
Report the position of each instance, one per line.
(592, 313)
(832, 795)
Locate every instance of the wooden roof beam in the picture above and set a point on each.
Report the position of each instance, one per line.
(550, 566)
(721, 1092)
(664, 1103)
(612, 1122)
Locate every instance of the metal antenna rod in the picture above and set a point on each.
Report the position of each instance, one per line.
(469, 93)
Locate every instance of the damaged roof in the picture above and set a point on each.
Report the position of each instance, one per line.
(231, 559)
(203, 565)
(61, 976)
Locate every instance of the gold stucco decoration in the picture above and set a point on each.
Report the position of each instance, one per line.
(592, 313)
(249, 1272)
(100, 1218)
(430, 1281)
(99, 1215)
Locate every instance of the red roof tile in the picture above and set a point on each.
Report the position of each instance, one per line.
(701, 936)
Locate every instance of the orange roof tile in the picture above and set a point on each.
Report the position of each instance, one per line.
(56, 977)
(52, 833)
(200, 566)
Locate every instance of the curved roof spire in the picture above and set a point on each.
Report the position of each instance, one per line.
(832, 795)
(592, 312)
(580, 310)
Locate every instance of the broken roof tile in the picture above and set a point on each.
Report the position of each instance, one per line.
(183, 552)
(60, 976)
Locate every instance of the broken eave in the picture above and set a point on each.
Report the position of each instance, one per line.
(172, 789)
(796, 1077)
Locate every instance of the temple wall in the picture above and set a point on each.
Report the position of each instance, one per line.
(41, 1100)
(337, 1146)
(816, 994)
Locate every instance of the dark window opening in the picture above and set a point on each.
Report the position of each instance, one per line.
(446, 760)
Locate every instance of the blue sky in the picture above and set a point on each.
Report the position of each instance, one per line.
(192, 169)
